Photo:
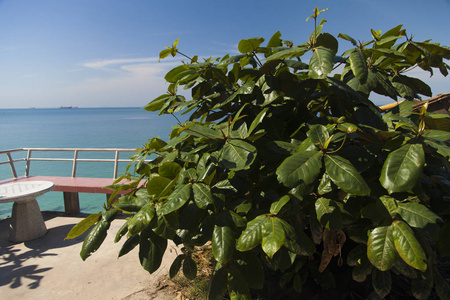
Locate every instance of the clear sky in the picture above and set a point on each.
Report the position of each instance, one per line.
(104, 53)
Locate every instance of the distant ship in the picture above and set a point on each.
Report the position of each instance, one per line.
(68, 107)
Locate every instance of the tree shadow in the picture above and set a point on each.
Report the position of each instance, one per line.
(21, 261)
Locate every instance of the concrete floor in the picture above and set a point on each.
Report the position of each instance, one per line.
(51, 268)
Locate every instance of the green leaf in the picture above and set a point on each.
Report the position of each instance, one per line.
(381, 249)
(358, 65)
(237, 287)
(407, 246)
(390, 205)
(204, 131)
(169, 169)
(257, 121)
(252, 235)
(167, 224)
(189, 268)
(327, 214)
(288, 53)
(276, 206)
(82, 226)
(249, 265)
(442, 285)
(157, 103)
(326, 40)
(157, 184)
(129, 244)
(345, 176)
(94, 238)
(176, 265)
(417, 215)
(249, 45)
(348, 38)
(223, 243)
(177, 199)
(275, 40)
(319, 135)
(151, 250)
(321, 63)
(303, 166)
(218, 286)
(381, 282)
(237, 155)
(403, 168)
(273, 236)
(202, 195)
(422, 285)
(141, 219)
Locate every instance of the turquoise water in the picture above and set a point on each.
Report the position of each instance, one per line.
(75, 128)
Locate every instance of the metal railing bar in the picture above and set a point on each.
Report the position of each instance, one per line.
(74, 160)
(13, 169)
(74, 165)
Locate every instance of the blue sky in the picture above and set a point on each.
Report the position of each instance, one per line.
(100, 53)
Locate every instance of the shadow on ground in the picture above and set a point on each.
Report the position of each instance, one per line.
(13, 268)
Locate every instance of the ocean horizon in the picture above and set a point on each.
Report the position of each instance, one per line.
(100, 127)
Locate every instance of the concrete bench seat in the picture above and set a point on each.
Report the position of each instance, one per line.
(71, 186)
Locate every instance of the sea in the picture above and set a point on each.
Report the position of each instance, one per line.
(128, 127)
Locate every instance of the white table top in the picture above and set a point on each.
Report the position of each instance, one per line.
(26, 190)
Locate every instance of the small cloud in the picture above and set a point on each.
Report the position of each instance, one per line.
(100, 64)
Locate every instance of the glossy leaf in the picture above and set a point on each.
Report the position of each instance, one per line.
(94, 239)
(219, 284)
(358, 65)
(237, 155)
(189, 268)
(380, 248)
(82, 226)
(223, 243)
(176, 265)
(403, 168)
(348, 38)
(417, 215)
(151, 250)
(345, 176)
(252, 235)
(249, 45)
(141, 219)
(257, 121)
(300, 167)
(202, 195)
(390, 204)
(273, 236)
(276, 206)
(321, 63)
(177, 199)
(407, 246)
(328, 214)
(381, 282)
(169, 170)
(319, 135)
(157, 184)
(237, 289)
(129, 244)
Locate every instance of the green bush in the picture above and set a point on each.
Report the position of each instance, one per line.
(293, 174)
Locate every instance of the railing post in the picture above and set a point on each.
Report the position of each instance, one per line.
(74, 166)
(11, 163)
(27, 168)
(116, 164)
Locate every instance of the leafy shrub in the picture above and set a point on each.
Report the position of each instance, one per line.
(291, 172)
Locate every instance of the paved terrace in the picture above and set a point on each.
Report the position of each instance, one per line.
(51, 268)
